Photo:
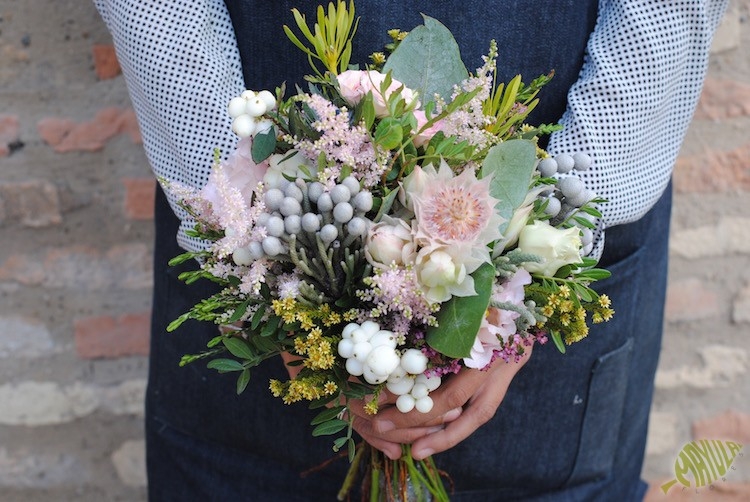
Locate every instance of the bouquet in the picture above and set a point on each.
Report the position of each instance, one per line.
(387, 228)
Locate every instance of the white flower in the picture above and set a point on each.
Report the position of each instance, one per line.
(290, 164)
(556, 247)
(441, 276)
(390, 241)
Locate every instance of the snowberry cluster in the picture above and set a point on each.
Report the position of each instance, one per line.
(571, 193)
(247, 111)
(307, 210)
(372, 353)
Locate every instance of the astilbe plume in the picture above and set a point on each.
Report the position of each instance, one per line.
(395, 290)
(341, 143)
(469, 122)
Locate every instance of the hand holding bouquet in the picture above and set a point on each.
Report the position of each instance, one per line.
(388, 228)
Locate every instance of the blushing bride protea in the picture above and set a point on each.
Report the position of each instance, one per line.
(454, 215)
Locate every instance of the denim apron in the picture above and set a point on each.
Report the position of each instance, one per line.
(571, 427)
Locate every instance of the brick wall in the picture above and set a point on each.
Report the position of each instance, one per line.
(75, 272)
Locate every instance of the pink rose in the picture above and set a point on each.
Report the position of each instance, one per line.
(424, 137)
(355, 84)
(390, 241)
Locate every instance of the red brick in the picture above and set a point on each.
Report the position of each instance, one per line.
(690, 300)
(53, 130)
(730, 425)
(65, 135)
(714, 172)
(34, 203)
(105, 62)
(9, 132)
(139, 198)
(81, 268)
(722, 99)
(110, 337)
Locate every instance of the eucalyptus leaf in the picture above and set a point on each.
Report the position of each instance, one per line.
(428, 60)
(511, 165)
(264, 144)
(460, 317)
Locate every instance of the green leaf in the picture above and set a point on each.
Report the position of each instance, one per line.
(327, 414)
(388, 134)
(239, 348)
(239, 312)
(257, 318)
(582, 292)
(339, 443)
(428, 60)
(511, 165)
(330, 427)
(460, 317)
(558, 341)
(594, 274)
(386, 204)
(243, 380)
(264, 344)
(225, 365)
(264, 144)
(271, 326)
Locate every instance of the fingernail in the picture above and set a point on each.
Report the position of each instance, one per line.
(437, 428)
(384, 426)
(452, 414)
(422, 454)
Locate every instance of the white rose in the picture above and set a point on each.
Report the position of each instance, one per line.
(355, 84)
(555, 246)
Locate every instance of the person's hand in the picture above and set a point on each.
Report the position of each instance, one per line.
(462, 404)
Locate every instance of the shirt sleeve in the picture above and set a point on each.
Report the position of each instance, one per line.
(630, 108)
(181, 65)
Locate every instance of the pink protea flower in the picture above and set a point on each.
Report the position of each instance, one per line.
(455, 213)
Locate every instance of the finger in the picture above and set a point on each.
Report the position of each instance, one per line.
(455, 393)
(479, 411)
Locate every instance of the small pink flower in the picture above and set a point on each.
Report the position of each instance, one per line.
(497, 326)
(424, 137)
(511, 291)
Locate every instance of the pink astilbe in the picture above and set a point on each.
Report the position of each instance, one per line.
(395, 291)
(341, 144)
(254, 276)
(469, 122)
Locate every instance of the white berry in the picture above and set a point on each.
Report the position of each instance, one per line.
(424, 404)
(405, 403)
(414, 362)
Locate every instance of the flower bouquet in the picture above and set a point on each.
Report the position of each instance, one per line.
(388, 228)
